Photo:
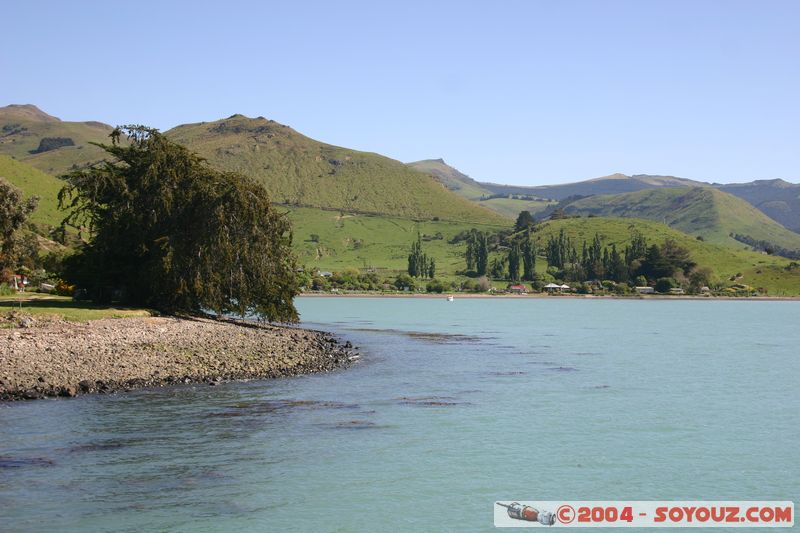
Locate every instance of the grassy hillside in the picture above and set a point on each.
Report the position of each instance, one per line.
(778, 199)
(756, 269)
(297, 170)
(34, 182)
(23, 128)
(451, 178)
(705, 211)
(374, 242)
(613, 184)
(325, 240)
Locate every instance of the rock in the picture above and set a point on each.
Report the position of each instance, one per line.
(69, 391)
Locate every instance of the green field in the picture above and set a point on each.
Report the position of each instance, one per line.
(374, 242)
(59, 306)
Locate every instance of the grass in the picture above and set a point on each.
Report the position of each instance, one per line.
(703, 211)
(66, 308)
(374, 242)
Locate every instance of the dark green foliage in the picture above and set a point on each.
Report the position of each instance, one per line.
(766, 246)
(528, 258)
(524, 221)
(419, 265)
(477, 254)
(514, 257)
(170, 233)
(663, 285)
(14, 213)
(404, 282)
(498, 267)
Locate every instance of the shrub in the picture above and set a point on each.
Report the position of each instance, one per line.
(663, 285)
(435, 286)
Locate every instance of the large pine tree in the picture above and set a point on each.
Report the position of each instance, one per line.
(171, 233)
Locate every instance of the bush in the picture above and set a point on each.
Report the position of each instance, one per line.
(621, 289)
(404, 282)
(435, 286)
(663, 285)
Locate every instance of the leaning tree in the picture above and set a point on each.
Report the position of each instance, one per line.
(168, 232)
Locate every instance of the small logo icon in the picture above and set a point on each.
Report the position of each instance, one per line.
(527, 513)
(565, 514)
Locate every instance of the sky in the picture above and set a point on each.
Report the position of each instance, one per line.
(528, 92)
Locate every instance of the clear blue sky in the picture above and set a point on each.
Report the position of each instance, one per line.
(525, 92)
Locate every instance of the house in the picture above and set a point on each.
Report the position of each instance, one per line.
(644, 290)
(326, 274)
(705, 290)
(552, 287)
(517, 289)
(565, 287)
(677, 291)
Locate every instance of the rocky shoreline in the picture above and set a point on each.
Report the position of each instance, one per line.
(46, 356)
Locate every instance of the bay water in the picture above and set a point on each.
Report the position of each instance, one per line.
(453, 405)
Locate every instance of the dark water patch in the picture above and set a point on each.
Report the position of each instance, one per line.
(509, 373)
(585, 353)
(430, 401)
(353, 425)
(443, 338)
(433, 337)
(563, 369)
(547, 363)
(21, 462)
(273, 406)
(98, 446)
(600, 387)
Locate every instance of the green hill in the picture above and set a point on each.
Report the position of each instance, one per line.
(613, 184)
(33, 182)
(698, 211)
(507, 204)
(752, 268)
(299, 171)
(451, 178)
(48, 143)
(778, 199)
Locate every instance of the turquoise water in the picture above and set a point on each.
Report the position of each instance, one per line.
(454, 405)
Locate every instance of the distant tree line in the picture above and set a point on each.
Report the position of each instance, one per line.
(766, 246)
(598, 262)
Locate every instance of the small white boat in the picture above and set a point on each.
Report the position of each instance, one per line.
(450, 298)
